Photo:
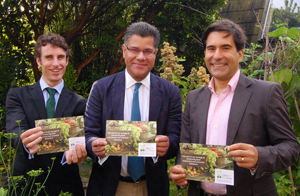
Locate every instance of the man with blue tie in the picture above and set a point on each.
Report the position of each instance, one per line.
(134, 94)
(48, 98)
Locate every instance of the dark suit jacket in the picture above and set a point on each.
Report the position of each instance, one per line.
(106, 102)
(258, 116)
(27, 104)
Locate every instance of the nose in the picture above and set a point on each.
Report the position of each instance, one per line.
(218, 54)
(141, 56)
(55, 62)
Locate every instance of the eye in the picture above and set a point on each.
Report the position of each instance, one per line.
(148, 52)
(135, 50)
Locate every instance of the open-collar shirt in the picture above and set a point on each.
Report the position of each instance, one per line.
(217, 123)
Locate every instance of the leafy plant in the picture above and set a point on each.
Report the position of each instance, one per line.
(172, 71)
(13, 182)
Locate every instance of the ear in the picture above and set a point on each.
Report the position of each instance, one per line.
(67, 61)
(241, 54)
(38, 62)
(156, 50)
(124, 49)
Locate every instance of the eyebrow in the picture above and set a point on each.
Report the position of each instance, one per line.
(224, 45)
(133, 47)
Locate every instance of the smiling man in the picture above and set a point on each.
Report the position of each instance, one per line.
(248, 115)
(29, 103)
(111, 98)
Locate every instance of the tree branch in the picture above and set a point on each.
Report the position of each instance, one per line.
(87, 61)
(26, 11)
(117, 65)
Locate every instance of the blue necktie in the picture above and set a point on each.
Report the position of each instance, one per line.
(135, 166)
(50, 103)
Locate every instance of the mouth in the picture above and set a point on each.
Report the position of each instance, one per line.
(219, 65)
(141, 65)
(55, 70)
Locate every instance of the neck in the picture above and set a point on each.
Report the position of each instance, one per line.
(220, 86)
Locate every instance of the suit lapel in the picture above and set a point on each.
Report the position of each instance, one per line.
(117, 94)
(156, 96)
(37, 95)
(202, 105)
(63, 102)
(239, 103)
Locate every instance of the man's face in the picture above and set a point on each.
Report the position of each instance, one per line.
(53, 63)
(221, 56)
(137, 64)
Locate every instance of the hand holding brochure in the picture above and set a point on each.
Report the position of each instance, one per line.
(130, 138)
(208, 163)
(61, 134)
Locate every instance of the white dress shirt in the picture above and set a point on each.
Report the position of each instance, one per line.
(144, 103)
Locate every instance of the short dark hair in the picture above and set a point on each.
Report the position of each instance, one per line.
(231, 28)
(142, 29)
(51, 38)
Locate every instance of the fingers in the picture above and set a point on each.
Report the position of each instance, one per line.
(177, 175)
(98, 147)
(245, 155)
(31, 138)
(162, 144)
(161, 138)
(77, 155)
(34, 149)
(69, 157)
(81, 153)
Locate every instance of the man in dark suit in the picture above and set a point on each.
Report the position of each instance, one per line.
(249, 115)
(28, 104)
(111, 98)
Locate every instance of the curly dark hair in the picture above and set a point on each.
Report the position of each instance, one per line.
(231, 28)
(51, 38)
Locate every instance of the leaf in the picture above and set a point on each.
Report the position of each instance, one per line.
(181, 59)
(293, 33)
(288, 40)
(2, 193)
(278, 32)
(280, 75)
(295, 82)
(286, 75)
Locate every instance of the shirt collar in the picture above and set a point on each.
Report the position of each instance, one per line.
(130, 81)
(58, 87)
(231, 84)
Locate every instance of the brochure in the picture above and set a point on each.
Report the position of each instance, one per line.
(208, 163)
(61, 134)
(130, 138)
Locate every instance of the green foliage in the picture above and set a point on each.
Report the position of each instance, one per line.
(283, 184)
(289, 15)
(7, 158)
(70, 80)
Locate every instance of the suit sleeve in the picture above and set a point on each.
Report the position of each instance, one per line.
(284, 148)
(185, 127)
(14, 113)
(93, 119)
(173, 127)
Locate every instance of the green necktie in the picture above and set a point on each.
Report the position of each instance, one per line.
(50, 103)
